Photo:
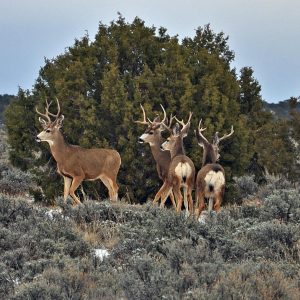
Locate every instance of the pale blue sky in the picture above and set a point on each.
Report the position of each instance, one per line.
(264, 34)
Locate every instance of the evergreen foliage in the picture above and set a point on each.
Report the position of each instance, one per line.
(101, 83)
(4, 102)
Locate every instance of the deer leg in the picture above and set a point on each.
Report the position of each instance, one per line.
(111, 186)
(159, 193)
(67, 184)
(114, 187)
(190, 200)
(217, 205)
(178, 198)
(219, 198)
(75, 184)
(108, 186)
(185, 201)
(173, 199)
(167, 192)
(171, 195)
(200, 203)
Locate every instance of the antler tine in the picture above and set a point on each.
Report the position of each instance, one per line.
(182, 122)
(201, 138)
(225, 136)
(185, 126)
(165, 114)
(43, 115)
(46, 115)
(144, 122)
(171, 120)
(58, 109)
(199, 127)
(168, 127)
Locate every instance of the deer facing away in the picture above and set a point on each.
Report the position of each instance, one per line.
(210, 181)
(153, 137)
(181, 173)
(74, 163)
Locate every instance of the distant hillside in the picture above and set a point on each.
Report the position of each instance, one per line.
(280, 109)
(4, 101)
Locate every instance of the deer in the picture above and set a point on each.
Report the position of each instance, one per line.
(74, 163)
(181, 173)
(210, 180)
(153, 137)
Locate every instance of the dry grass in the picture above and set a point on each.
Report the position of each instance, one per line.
(99, 234)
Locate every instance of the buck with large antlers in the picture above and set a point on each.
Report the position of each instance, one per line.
(74, 163)
(181, 173)
(153, 137)
(210, 181)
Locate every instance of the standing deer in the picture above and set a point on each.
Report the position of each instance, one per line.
(210, 181)
(152, 136)
(181, 172)
(74, 163)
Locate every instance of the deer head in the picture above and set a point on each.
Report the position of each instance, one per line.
(152, 134)
(211, 150)
(51, 128)
(174, 143)
(217, 140)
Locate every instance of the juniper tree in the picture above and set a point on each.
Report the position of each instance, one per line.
(101, 83)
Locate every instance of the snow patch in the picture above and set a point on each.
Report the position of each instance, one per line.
(203, 217)
(50, 213)
(101, 253)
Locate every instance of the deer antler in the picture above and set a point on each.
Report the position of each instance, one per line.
(58, 109)
(144, 122)
(163, 122)
(46, 115)
(165, 114)
(217, 140)
(182, 122)
(200, 137)
(185, 126)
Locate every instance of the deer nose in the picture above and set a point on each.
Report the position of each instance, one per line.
(38, 139)
(141, 141)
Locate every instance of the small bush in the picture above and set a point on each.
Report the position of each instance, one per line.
(246, 186)
(14, 181)
(244, 252)
(283, 204)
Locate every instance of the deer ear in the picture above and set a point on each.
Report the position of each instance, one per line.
(216, 139)
(43, 122)
(176, 129)
(184, 131)
(59, 121)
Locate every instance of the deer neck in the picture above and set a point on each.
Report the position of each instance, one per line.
(58, 148)
(158, 154)
(209, 155)
(177, 148)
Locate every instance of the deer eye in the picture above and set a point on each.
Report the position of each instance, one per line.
(48, 130)
(151, 132)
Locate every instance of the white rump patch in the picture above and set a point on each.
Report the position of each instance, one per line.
(183, 170)
(215, 179)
